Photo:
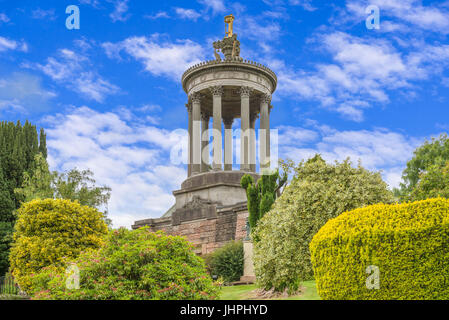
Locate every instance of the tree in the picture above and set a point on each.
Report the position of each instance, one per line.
(262, 194)
(80, 186)
(18, 146)
(43, 143)
(433, 183)
(48, 230)
(6, 224)
(434, 152)
(72, 185)
(317, 193)
(37, 184)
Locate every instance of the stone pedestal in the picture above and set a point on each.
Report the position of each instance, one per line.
(248, 268)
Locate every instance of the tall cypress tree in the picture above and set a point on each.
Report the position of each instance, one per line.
(7, 207)
(19, 144)
(43, 143)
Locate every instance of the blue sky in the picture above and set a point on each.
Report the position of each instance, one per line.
(110, 98)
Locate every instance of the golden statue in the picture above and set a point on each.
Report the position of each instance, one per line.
(229, 20)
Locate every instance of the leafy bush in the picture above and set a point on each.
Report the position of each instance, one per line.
(49, 230)
(408, 243)
(432, 184)
(137, 265)
(317, 193)
(227, 261)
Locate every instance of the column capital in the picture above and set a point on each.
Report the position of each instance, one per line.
(265, 98)
(228, 121)
(216, 90)
(195, 97)
(245, 91)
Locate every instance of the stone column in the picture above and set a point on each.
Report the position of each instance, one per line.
(252, 142)
(264, 135)
(189, 150)
(217, 93)
(228, 146)
(244, 136)
(196, 133)
(205, 142)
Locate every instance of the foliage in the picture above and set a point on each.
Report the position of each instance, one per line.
(72, 185)
(18, 146)
(133, 265)
(7, 206)
(37, 183)
(431, 153)
(432, 184)
(406, 242)
(262, 194)
(318, 192)
(48, 230)
(227, 262)
(80, 186)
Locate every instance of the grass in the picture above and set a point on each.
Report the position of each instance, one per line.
(240, 292)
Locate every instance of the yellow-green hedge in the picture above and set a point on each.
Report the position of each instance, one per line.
(409, 243)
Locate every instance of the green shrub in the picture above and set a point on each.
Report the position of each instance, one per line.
(132, 265)
(317, 193)
(408, 243)
(227, 261)
(47, 231)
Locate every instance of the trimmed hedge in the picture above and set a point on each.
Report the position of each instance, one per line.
(408, 243)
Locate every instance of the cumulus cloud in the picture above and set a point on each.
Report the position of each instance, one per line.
(158, 56)
(8, 44)
(74, 70)
(362, 72)
(377, 149)
(120, 11)
(189, 14)
(131, 159)
(408, 14)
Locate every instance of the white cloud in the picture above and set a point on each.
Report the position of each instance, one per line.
(378, 149)
(44, 14)
(363, 72)
(189, 14)
(4, 18)
(120, 11)
(412, 12)
(131, 159)
(160, 14)
(216, 6)
(74, 70)
(7, 44)
(159, 57)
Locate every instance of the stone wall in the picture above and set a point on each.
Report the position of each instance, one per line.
(207, 228)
